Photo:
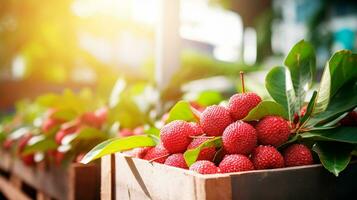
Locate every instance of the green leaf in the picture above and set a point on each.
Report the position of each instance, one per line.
(333, 156)
(39, 144)
(340, 69)
(181, 111)
(279, 85)
(344, 100)
(65, 114)
(207, 98)
(265, 108)
(346, 134)
(301, 62)
(117, 145)
(309, 109)
(85, 133)
(192, 154)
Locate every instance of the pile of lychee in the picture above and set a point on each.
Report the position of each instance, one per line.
(246, 145)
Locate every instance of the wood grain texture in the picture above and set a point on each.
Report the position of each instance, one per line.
(10, 191)
(140, 179)
(84, 182)
(107, 177)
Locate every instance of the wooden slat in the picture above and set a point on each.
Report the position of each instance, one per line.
(52, 181)
(10, 191)
(5, 161)
(139, 179)
(107, 177)
(84, 182)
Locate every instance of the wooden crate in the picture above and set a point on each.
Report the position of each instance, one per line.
(130, 178)
(48, 182)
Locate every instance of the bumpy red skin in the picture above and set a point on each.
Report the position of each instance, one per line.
(267, 157)
(206, 153)
(214, 120)
(239, 138)
(235, 163)
(197, 130)
(297, 155)
(157, 154)
(175, 136)
(239, 105)
(176, 160)
(204, 167)
(273, 130)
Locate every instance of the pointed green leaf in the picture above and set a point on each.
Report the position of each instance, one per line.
(39, 144)
(346, 134)
(340, 69)
(265, 108)
(301, 62)
(192, 154)
(333, 156)
(279, 85)
(117, 145)
(181, 111)
(344, 100)
(309, 109)
(207, 98)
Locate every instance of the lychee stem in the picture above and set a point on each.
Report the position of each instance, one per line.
(241, 73)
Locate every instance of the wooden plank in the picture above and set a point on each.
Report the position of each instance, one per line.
(307, 182)
(213, 187)
(10, 191)
(107, 177)
(84, 182)
(140, 179)
(53, 181)
(5, 160)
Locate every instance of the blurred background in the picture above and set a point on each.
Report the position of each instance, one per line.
(166, 50)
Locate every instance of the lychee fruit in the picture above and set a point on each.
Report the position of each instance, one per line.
(297, 155)
(50, 123)
(273, 130)
(206, 153)
(240, 105)
(214, 119)
(239, 138)
(66, 129)
(23, 142)
(176, 160)
(28, 160)
(125, 132)
(197, 130)
(267, 157)
(235, 163)
(139, 152)
(157, 154)
(175, 136)
(204, 167)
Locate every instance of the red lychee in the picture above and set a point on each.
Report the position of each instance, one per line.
(157, 154)
(125, 132)
(297, 154)
(350, 119)
(273, 130)
(206, 153)
(214, 120)
(235, 163)
(240, 105)
(176, 160)
(204, 167)
(239, 138)
(139, 152)
(50, 124)
(197, 130)
(267, 157)
(175, 136)
(66, 129)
